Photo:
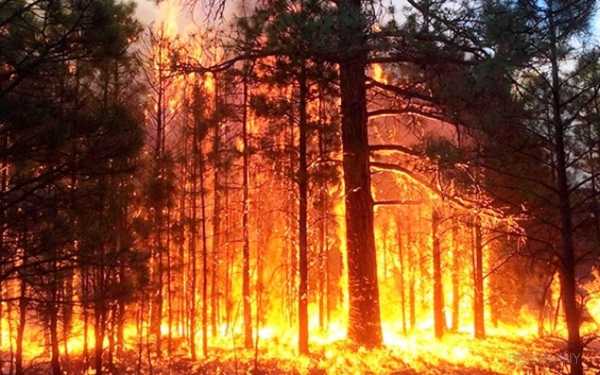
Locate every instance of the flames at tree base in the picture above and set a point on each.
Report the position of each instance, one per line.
(453, 354)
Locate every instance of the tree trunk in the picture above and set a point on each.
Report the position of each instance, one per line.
(216, 223)
(364, 323)
(99, 330)
(401, 252)
(438, 292)
(245, 235)
(169, 285)
(302, 218)
(478, 299)
(67, 311)
(568, 277)
(85, 299)
(455, 279)
(54, 342)
(411, 278)
(204, 260)
(21, 327)
(193, 240)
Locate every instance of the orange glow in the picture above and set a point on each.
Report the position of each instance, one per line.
(406, 203)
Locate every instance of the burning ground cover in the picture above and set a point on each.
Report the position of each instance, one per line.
(455, 354)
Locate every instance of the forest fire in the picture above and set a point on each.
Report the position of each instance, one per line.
(303, 187)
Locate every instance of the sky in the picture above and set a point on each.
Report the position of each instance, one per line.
(148, 11)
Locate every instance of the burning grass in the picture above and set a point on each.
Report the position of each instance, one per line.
(413, 354)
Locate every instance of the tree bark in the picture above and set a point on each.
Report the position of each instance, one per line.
(21, 326)
(568, 277)
(204, 260)
(193, 242)
(438, 292)
(245, 235)
(401, 252)
(478, 299)
(455, 280)
(54, 342)
(303, 218)
(364, 322)
(216, 224)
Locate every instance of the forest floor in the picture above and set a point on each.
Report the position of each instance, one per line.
(456, 354)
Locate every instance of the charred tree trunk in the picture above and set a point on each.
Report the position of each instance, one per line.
(245, 234)
(228, 258)
(438, 292)
(324, 258)
(401, 252)
(411, 279)
(478, 298)
(364, 323)
(54, 341)
(193, 243)
(303, 218)
(85, 307)
(99, 330)
(169, 284)
(21, 325)
(216, 222)
(455, 280)
(204, 260)
(568, 277)
(67, 312)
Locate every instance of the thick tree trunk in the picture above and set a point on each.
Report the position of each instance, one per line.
(568, 277)
(364, 322)
(568, 283)
(438, 292)
(303, 218)
(54, 342)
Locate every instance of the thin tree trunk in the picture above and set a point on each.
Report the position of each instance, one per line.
(478, 299)
(303, 218)
(67, 312)
(216, 223)
(324, 305)
(401, 276)
(411, 279)
(21, 326)
(204, 260)
(85, 299)
(455, 279)
(99, 330)
(246, 239)
(193, 240)
(169, 286)
(438, 291)
(54, 342)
